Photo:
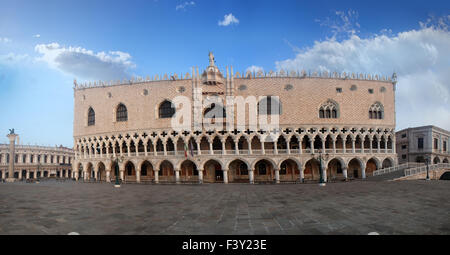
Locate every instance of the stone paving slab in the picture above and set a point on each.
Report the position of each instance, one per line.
(51, 207)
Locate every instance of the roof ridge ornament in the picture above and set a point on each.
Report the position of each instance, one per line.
(212, 61)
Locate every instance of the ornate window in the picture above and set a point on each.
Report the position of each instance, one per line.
(329, 110)
(122, 113)
(216, 111)
(166, 110)
(269, 106)
(91, 117)
(376, 111)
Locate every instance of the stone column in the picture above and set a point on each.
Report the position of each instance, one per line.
(393, 142)
(122, 174)
(75, 174)
(35, 174)
(20, 174)
(385, 146)
(28, 174)
(370, 147)
(12, 156)
(108, 175)
(211, 151)
(378, 145)
(275, 147)
(236, 147)
(3, 174)
(302, 174)
(334, 146)
(251, 176)
(156, 172)
(67, 173)
(250, 147)
(165, 148)
(263, 151)
(177, 176)
(363, 172)
(199, 151)
(224, 150)
(122, 171)
(200, 176)
(225, 176)
(300, 147)
(344, 172)
(353, 145)
(312, 145)
(288, 143)
(277, 175)
(138, 175)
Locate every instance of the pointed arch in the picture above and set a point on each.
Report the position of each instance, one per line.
(376, 111)
(121, 113)
(91, 117)
(329, 110)
(166, 109)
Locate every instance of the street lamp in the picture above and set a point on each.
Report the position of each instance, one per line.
(38, 168)
(321, 157)
(117, 160)
(427, 161)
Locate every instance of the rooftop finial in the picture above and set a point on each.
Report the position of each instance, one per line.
(394, 77)
(211, 59)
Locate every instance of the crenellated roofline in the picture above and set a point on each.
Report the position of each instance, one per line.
(245, 75)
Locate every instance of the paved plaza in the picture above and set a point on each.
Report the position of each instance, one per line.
(358, 207)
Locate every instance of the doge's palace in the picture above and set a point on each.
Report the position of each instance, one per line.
(244, 127)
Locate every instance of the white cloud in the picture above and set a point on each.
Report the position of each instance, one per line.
(254, 69)
(4, 40)
(85, 63)
(420, 57)
(184, 5)
(13, 58)
(228, 20)
(37, 36)
(343, 24)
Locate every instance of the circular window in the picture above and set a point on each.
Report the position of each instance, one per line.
(181, 89)
(288, 87)
(382, 89)
(353, 88)
(145, 92)
(242, 87)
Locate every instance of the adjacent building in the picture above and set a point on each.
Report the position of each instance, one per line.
(419, 143)
(32, 161)
(346, 121)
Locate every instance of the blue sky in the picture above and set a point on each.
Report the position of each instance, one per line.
(44, 45)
